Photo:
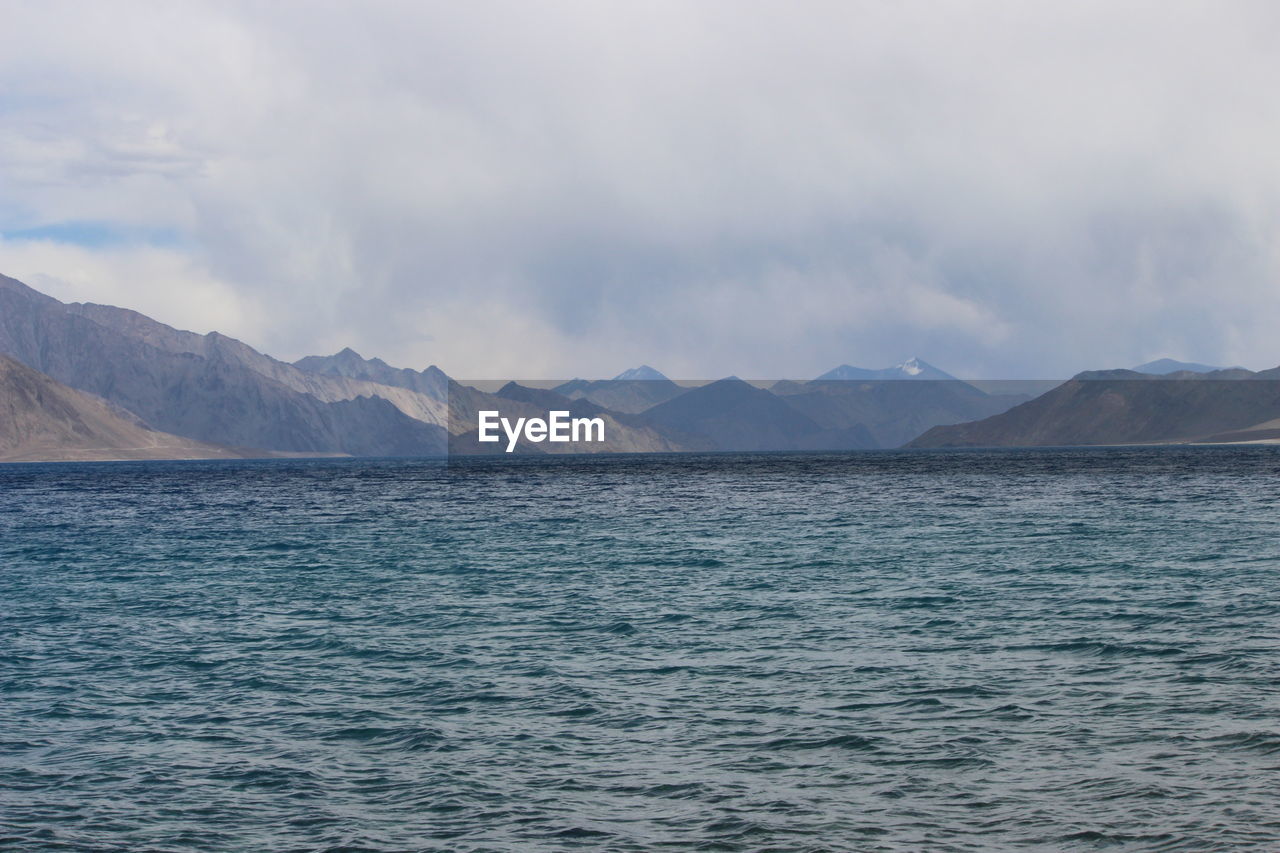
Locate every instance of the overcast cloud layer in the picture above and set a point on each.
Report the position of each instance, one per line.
(563, 188)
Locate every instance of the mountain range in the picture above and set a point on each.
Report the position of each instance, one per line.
(1113, 407)
(85, 381)
(912, 368)
(631, 391)
(218, 393)
(210, 387)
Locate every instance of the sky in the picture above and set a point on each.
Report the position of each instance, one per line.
(557, 189)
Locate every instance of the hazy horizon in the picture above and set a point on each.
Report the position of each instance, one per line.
(551, 381)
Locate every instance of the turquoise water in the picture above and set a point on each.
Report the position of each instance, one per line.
(1051, 650)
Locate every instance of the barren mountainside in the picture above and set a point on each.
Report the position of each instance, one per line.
(41, 419)
(1126, 407)
(207, 387)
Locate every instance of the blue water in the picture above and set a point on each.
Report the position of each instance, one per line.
(877, 651)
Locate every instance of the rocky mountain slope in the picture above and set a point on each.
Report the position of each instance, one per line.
(1127, 407)
(210, 387)
(350, 365)
(41, 420)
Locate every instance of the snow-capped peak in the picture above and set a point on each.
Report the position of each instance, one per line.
(911, 367)
(643, 372)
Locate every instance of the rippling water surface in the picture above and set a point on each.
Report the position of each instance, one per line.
(875, 651)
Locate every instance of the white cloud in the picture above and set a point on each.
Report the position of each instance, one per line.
(757, 188)
(163, 283)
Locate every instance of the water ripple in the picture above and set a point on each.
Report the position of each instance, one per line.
(1051, 650)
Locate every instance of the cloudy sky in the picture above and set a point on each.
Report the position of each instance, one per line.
(544, 189)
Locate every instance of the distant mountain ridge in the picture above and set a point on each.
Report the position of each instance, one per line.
(214, 389)
(1128, 407)
(350, 364)
(733, 415)
(631, 391)
(623, 433)
(912, 368)
(893, 411)
(1162, 366)
(216, 348)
